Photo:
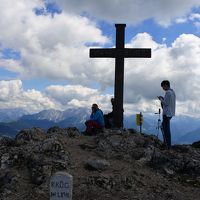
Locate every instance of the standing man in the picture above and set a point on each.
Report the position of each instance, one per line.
(168, 103)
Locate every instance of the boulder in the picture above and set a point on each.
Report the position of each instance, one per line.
(70, 132)
(30, 135)
(196, 144)
(97, 164)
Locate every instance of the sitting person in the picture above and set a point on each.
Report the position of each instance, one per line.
(96, 120)
(108, 118)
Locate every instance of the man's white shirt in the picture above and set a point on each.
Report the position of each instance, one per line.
(169, 103)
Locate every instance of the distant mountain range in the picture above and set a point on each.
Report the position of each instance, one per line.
(44, 119)
(184, 129)
(8, 115)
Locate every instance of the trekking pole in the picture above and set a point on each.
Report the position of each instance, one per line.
(159, 122)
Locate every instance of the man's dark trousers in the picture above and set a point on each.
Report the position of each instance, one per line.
(166, 130)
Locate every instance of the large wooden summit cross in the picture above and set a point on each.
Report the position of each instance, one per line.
(119, 53)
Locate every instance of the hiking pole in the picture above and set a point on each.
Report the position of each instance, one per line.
(158, 127)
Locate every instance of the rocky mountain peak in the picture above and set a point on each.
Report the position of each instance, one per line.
(115, 164)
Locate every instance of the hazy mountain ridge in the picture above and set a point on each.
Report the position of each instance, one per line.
(57, 115)
(184, 129)
(9, 115)
(51, 115)
(190, 137)
(46, 119)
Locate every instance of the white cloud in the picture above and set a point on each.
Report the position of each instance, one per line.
(131, 11)
(194, 16)
(51, 48)
(55, 48)
(12, 95)
(197, 24)
(178, 63)
(9, 89)
(11, 65)
(77, 96)
(181, 20)
(64, 94)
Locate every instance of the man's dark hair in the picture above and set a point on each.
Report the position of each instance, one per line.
(165, 82)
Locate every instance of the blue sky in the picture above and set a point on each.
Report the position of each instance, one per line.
(44, 53)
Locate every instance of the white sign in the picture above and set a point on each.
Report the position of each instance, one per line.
(61, 184)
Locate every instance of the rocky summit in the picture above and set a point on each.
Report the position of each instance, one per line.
(112, 165)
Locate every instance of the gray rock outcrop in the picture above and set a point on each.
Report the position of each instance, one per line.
(115, 164)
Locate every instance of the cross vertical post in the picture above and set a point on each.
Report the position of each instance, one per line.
(119, 78)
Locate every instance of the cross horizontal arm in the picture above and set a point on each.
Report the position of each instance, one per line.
(102, 53)
(137, 53)
(121, 53)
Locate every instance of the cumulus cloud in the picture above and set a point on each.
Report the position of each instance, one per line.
(12, 95)
(9, 89)
(129, 11)
(50, 47)
(181, 20)
(57, 48)
(77, 96)
(193, 18)
(178, 63)
(68, 93)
